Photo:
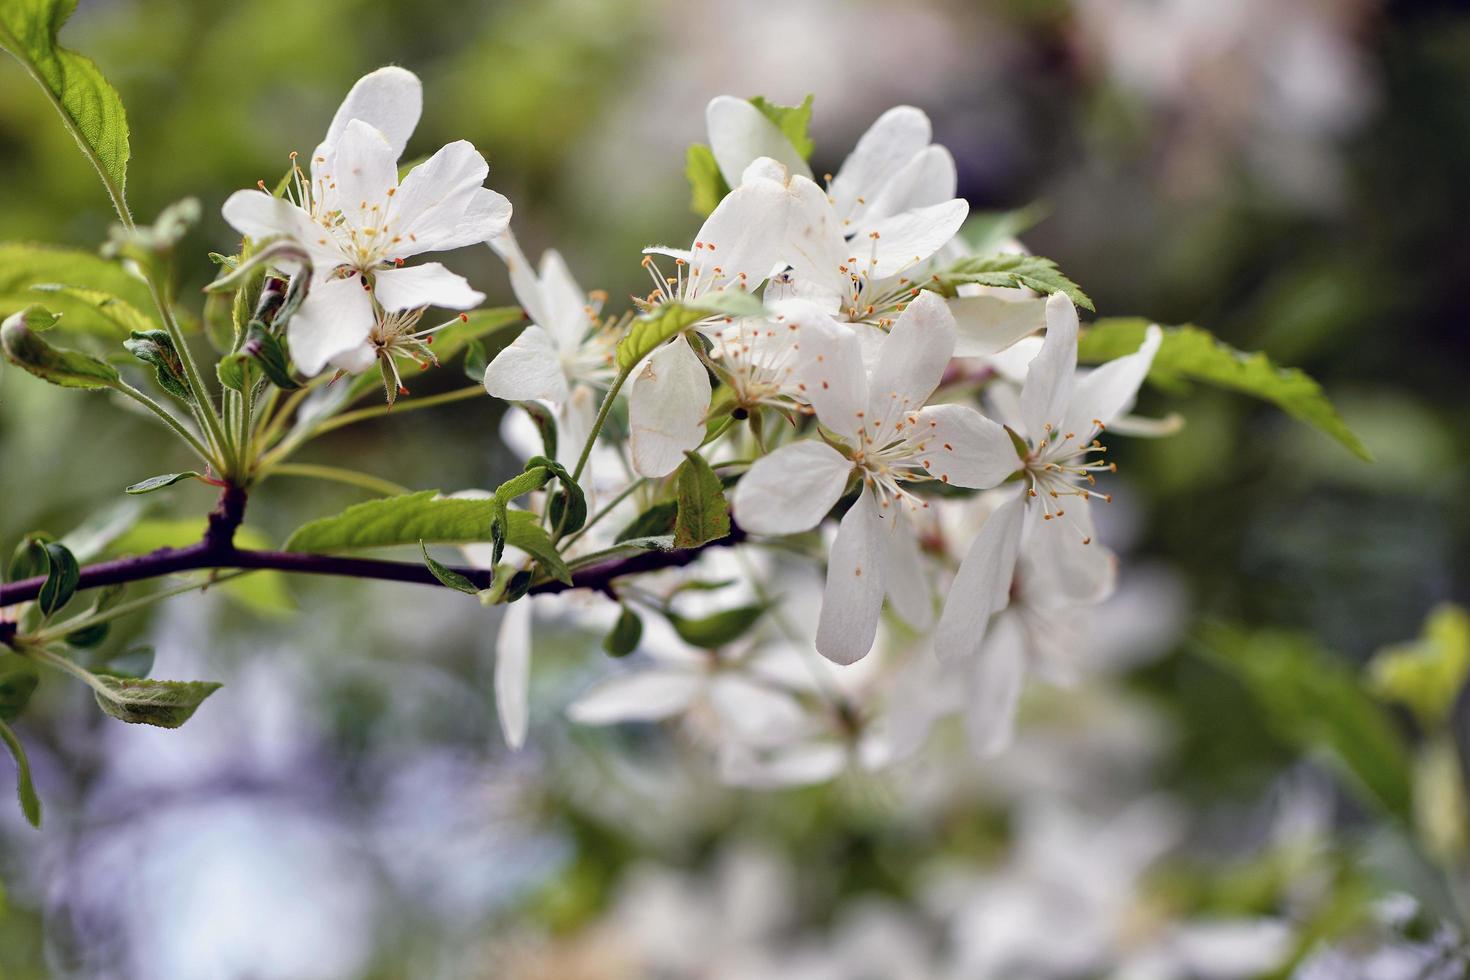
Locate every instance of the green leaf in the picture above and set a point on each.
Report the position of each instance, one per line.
(261, 349)
(625, 634)
(30, 558)
(139, 701)
(656, 521)
(526, 533)
(567, 507)
(1191, 354)
(446, 575)
(668, 320)
(1426, 674)
(545, 424)
(18, 681)
(533, 478)
(989, 231)
(122, 314)
(66, 368)
(159, 482)
(24, 267)
(156, 348)
(88, 636)
(89, 106)
(133, 662)
(38, 555)
(710, 632)
(794, 121)
(1312, 701)
(707, 187)
(1011, 271)
(404, 520)
(476, 363)
(702, 514)
(30, 803)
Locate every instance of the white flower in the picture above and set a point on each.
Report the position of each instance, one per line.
(739, 245)
(1058, 417)
(892, 440)
(358, 225)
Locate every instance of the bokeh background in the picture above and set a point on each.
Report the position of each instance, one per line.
(1293, 175)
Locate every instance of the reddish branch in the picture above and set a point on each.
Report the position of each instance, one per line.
(217, 551)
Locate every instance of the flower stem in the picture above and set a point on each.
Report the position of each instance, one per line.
(168, 419)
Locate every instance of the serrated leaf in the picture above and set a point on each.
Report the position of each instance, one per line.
(18, 681)
(702, 511)
(707, 187)
(88, 105)
(1189, 353)
(712, 632)
(447, 576)
(140, 701)
(1312, 701)
(1009, 271)
(61, 367)
(656, 521)
(403, 520)
(163, 480)
(30, 803)
(24, 266)
(623, 638)
(667, 320)
(794, 122)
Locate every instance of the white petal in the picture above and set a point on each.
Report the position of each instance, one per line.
(357, 360)
(987, 325)
(928, 178)
(965, 448)
(1105, 393)
(740, 133)
(912, 360)
(792, 489)
(336, 317)
(647, 695)
(442, 204)
(530, 367)
(853, 597)
(666, 409)
(983, 584)
(745, 237)
(567, 319)
(523, 280)
(797, 765)
(995, 691)
(389, 99)
(904, 577)
(260, 216)
(1073, 563)
(814, 243)
(754, 713)
(1048, 388)
(429, 284)
(829, 370)
(890, 143)
(513, 672)
(361, 169)
(905, 240)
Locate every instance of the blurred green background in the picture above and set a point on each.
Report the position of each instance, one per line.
(1293, 176)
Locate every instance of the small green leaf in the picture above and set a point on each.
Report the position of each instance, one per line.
(1426, 674)
(30, 558)
(656, 521)
(527, 534)
(88, 636)
(702, 514)
(18, 681)
(545, 424)
(261, 349)
(25, 267)
(625, 634)
(533, 478)
(1191, 354)
(155, 348)
(122, 314)
(446, 575)
(707, 187)
(164, 704)
(404, 520)
(66, 368)
(89, 106)
(134, 662)
(164, 480)
(711, 632)
(30, 803)
(62, 579)
(475, 361)
(650, 331)
(1009, 271)
(794, 121)
(567, 507)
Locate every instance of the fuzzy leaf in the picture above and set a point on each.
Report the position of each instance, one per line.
(163, 704)
(159, 482)
(1009, 271)
(156, 348)
(447, 576)
(702, 514)
(30, 803)
(404, 520)
(656, 521)
(119, 312)
(18, 681)
(65, 368)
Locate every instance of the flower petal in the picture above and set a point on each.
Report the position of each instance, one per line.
(1048, 387)
(513, 672)
(905, 240)
(890, 143)
(528, 368)
(1075, 565)
(995, 688)
(336, 317)
(982, 586)
(523, 279)
(987, 325)
(390, 100)
(928, 178)
(429, 284)
(745, 237)
(666, 409)
(567, 310)
(797, 765)
(912, 360)
(1103, 394)
(755, 714)
(260, 216)
(740, 133)
(792, 489)
(442, 205)
(965, 448)
(909, 592)
(853, 597)
(829, 369)
(360, 175)
(648, 695)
